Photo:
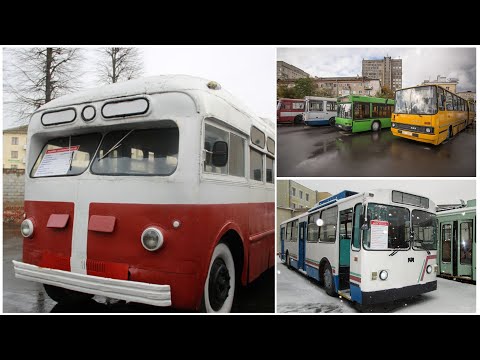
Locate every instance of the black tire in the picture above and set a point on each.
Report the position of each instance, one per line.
(287, 261)
(298, 119)
(331, 121)
(66, 296)
(328, 280)
(219, 288)
(376, 126)
(450, 133)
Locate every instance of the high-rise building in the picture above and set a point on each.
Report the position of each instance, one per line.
(286, 71)
(388, 70)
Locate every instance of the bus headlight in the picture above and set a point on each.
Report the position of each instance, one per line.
(383, 275)
(152, 239)
(393, 124)
(26, 228)
(429, 269)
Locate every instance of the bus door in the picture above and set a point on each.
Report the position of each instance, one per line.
(301, 245)
(466, 248)
(355, 277)
(446, 243)
(282, 243)
(316, 111)
(345, 238)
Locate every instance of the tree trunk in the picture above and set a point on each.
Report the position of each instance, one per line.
(48, 77)
(114, 65)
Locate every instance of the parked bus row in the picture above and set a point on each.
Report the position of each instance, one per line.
(428, 114)
(379, 246)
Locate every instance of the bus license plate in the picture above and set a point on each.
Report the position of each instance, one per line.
(407, 133)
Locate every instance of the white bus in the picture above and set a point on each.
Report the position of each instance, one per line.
(157, 190)
(369, 248)
(320, 111)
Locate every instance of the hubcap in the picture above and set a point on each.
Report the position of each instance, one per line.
(218, 284)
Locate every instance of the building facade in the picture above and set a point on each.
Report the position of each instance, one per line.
(468, 95)
(342, 85)
(286, 71)
(449, 84)
(387, 70)
(15, 147)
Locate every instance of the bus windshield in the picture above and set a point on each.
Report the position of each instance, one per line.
(279, 105)
(66, 156)
(138, 152)
(424, 230)
(378, 237)
(345, 110)
(420, 100)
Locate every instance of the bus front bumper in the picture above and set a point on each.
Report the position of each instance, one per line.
(344, 127)
(145, 293)
(383, 296)
(426, 138)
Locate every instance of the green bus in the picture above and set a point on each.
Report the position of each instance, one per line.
(357, 113)
(457, 242)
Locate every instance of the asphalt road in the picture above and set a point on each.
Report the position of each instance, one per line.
(20, 296)
(298, 294)
(328, 151)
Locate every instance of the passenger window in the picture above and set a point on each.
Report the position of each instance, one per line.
(449, 101)
(270, 170)
(256, 165)
(236, 156)
(328, 230)
(212, 135)
(440, 94)
(356, 226)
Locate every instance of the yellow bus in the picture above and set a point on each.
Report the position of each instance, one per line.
(429, 114)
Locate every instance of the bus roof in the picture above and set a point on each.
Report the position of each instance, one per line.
(457, 211)
(291, 99)
(320, 98)
(369, 99)
(198, 88)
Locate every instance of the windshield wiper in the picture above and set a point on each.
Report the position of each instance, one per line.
(393, 253)
(116, 146)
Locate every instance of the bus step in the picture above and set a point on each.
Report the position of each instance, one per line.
(302, 271)
(345, 294)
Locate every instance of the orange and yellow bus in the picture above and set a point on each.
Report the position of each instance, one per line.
(428, 114)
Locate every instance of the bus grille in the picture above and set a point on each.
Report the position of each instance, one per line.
(416, 128)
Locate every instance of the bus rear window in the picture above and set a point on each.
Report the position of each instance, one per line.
(66, 156)
(138, 152)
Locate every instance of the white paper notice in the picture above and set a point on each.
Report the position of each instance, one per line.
(379, 235)
(56, 161)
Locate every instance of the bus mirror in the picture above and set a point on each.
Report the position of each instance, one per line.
(366, 222)
(220, 154)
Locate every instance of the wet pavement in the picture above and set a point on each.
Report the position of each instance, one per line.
(21, 296)
(297, 293)
(328, 151)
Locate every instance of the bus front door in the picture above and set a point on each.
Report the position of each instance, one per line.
(446, 247)
(301, 245)
(465, 251)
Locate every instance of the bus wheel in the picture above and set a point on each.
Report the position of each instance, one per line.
(287, 261)
(297, 119)
(376, 126)
(328, 280)
(331, 121)
(450, 133)
(219, 288)
(66, 296)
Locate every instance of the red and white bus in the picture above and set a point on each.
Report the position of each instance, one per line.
(157, 190)
(290, 111)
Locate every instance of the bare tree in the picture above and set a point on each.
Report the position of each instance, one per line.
(35, 76)
(119, 64)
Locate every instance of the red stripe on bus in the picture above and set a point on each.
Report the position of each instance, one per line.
(355, 278)
(429, 257)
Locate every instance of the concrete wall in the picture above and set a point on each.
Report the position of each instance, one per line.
(13, 186)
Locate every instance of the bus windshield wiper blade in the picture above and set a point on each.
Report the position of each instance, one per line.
(116, 146)
(393, 253)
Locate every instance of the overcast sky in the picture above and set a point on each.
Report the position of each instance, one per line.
(439, 191)
(248, 73)
(418, 63)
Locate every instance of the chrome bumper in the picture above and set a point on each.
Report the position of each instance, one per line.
(152, 294)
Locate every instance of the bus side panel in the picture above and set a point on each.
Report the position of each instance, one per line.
(262, 240)
(362, 125)
(49, 246)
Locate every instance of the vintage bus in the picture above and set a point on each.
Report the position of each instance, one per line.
(457, 242)
(369, 248)
(429, 114)
(157, 190)
(363, 113)
(319, 111)
(290, 111)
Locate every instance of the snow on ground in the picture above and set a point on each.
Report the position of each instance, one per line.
(298, 294)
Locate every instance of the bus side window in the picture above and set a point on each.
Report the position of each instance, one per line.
(213, 134)
(449, 101)
(256, 165)
(357, 226)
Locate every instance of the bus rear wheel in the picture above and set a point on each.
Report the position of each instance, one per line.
(287, 261)
(331, 121)
(376, 126)
(66, 296)
(219, 289)
(328, 280)
(298, 119)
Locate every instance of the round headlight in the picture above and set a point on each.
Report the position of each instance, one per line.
(152, 239)
(429, 269)
(393, 124)
(26, 228)
(427, 130)
(383, 275)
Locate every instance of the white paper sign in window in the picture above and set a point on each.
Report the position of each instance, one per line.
(379, 235)
(125, 108)
(56, 161)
